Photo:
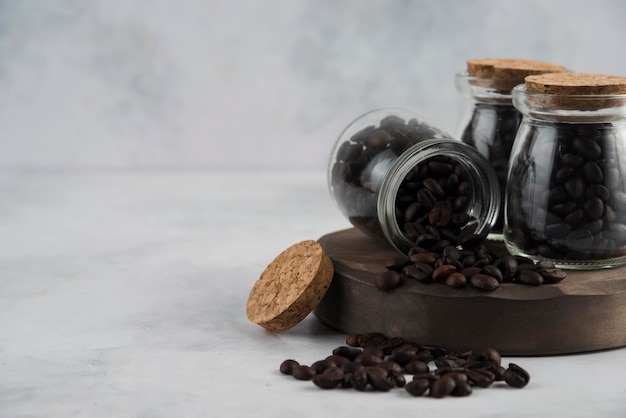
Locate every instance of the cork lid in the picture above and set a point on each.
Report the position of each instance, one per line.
(578, 90)
(506, 73)
(290, 287)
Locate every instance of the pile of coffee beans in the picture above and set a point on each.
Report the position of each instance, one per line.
(491, 130)
(374, 362)
(567, 195)
(361, 160)
(457, 260)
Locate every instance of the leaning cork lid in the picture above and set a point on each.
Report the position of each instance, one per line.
(578, 90)
(290, 287)
(506, 73)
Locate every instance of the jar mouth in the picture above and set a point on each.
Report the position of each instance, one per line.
(584, 108)
(484, 206)
(488, 90)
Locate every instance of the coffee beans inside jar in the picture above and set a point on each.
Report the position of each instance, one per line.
(372, 362)
(566, 193)
(491, 120)
(389, 170)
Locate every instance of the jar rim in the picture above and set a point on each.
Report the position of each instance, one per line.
(489, 201)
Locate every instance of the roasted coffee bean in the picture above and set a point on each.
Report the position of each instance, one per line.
(331, 378)
(529, 277)
(456, 280)
(480, 377)
(390, 344)
(461, 389)
(442, 272)
(353, 340)
(360, 379)
(468, 272)
(486, 354)
(442, 387)
(484, 282)
(417, 387)
(387, 280)
(415, 367)
(348, 352)
(390, 366)
(371, 338)
(425, 257)
(493, 271)
(508, 264)
(440, 214)
(374, 350)
(377, 378)
(397, 378)
(320, 366)
(402, 357)
(351, 367)
(408, 347)
(287, 366)
(419, 271)
(368, 359)
(516, 376)
(336, 360)
(303, 372)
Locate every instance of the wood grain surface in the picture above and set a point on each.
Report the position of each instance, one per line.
(585, 312)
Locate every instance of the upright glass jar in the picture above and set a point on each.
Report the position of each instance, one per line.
(490, 121)
(566, 193)
(396, 177)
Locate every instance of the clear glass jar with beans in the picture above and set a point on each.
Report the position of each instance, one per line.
(566, 193)
(490, 121)
(395, 176)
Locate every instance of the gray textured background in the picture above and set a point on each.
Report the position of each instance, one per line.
(257, 84)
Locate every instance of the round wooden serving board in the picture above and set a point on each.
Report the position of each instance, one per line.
(585, 312)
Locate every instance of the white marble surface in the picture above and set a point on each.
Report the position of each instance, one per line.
(123, 295)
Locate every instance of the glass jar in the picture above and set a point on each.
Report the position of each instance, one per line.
(566, 193)
(490, 121)
(395, 177)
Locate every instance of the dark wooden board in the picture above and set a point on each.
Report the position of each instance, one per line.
(585, 312)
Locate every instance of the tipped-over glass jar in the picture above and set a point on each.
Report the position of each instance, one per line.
(396, 177)
(566, 195)
(490, 121)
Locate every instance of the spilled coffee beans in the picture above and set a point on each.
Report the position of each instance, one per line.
(373, 362)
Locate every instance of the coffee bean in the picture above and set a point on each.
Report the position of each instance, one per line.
(480, 377)
(442, 387)
(348, 352)
(484, 282)
(303, 372)
(331, 378)
(442, 272)
(351, 367)
(287, 366)
(387, 280)
(419, 271)
(529, 277)
(417, 387)
(415, 367)
(461, 389)
(440, 214)
(493, 271)
(390, 344)
(353, 340)
(456, 280)
(377, 378)
(516, 376)
(425, 257)
(371, 338)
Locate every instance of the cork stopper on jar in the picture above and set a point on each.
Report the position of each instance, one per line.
(579, 91)
(290, 287)
(506, 73)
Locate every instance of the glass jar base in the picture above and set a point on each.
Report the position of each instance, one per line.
(569, 264)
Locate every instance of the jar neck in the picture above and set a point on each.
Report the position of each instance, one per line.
(608, 108)
(484, 203)
(485, 90)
